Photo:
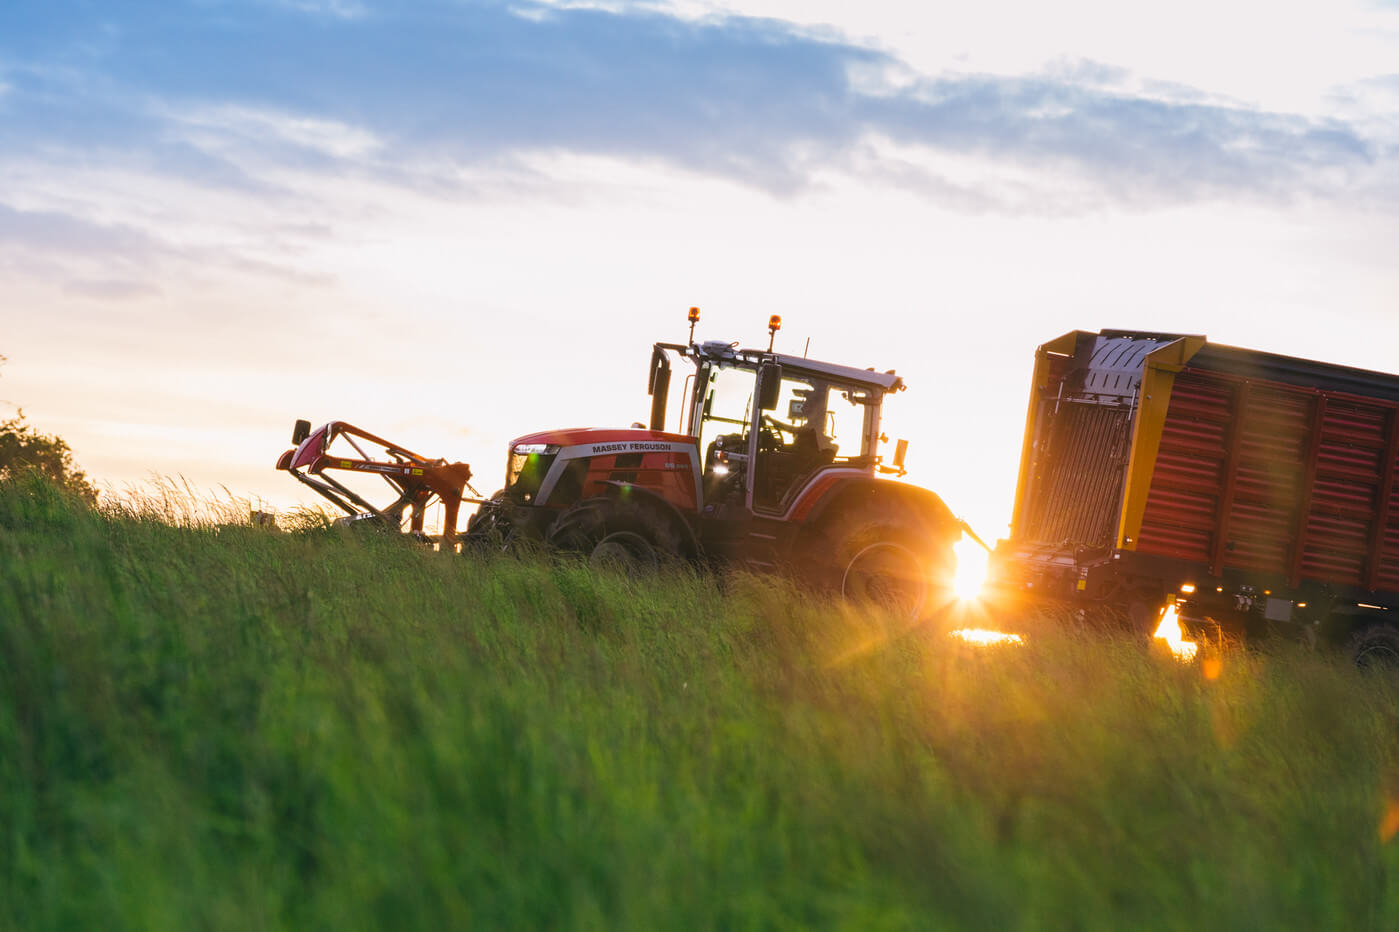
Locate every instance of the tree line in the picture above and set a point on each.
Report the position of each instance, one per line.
(25, 449)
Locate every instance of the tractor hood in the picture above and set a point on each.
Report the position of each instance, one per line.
(632, 440)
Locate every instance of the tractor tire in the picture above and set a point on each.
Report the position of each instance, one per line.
(625, 552)
(1376, 647)
(611, 532)
(491, 527)
(887, 576)
(882, 557)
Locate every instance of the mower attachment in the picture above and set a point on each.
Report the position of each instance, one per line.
(416, 479)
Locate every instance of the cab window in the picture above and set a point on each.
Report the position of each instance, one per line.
(723, 434)
(815, 424)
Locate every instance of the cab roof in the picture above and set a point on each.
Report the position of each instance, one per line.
(715, 351)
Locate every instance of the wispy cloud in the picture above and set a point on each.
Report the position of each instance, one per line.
(387, 87)
(343, 9)
(55, 232)
(111, 289)
(330, 138)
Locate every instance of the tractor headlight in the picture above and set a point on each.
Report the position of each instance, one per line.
(528, 464)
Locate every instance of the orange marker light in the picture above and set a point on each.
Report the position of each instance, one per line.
(694, 315)
(775, 322)
(1389, 823)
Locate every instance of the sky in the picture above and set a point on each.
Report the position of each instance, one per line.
(454, 223)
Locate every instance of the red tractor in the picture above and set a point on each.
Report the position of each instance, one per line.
(773, 466)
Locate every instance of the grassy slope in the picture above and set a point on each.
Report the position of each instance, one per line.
(236, 729)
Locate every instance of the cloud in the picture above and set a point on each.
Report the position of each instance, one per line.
(111, 289)
(343, 9)
(55, 232)
(384, 88)
(329, 138)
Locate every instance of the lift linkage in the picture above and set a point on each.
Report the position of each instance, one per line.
(417, 479)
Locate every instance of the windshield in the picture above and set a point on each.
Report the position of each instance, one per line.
(728, 400)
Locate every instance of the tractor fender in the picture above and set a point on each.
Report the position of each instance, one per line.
(866, 494)
(689, 541)
(858, 516)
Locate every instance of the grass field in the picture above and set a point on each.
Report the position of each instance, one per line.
(229, 728)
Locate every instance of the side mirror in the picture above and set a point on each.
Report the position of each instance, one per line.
(300, 431)
(769, 386)
(900, 451)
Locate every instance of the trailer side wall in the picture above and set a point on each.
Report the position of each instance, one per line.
(1288, 482)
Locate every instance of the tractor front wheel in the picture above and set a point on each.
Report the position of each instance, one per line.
(492, 527)
(609, 532)
(625, 551)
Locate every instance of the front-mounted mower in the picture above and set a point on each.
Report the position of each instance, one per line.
(772, 465)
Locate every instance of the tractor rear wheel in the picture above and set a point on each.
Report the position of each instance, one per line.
(881, 555)
(888, 576)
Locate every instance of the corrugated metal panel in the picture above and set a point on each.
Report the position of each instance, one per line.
(1182, 509)
(1345, 492)
(1387, 558)
(1303, 499)
(1078, 489)
(1261, 520)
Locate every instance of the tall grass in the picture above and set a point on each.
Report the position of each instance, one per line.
(208, 726)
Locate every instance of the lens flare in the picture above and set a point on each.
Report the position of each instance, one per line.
(983, 637)
(971, 569)
(1171, 632)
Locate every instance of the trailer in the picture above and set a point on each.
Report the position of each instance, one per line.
(1255, 493)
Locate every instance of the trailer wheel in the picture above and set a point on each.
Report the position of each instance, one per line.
(1376, 646)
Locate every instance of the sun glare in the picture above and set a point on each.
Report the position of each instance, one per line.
(983, 637)
(971, 568)
(1170, 631)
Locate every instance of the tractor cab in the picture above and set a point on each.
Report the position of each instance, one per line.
(769, 425)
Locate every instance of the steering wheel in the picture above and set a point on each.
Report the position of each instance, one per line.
(770, 435)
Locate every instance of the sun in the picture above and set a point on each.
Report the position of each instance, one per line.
(970, 575)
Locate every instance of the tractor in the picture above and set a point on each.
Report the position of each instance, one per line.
(772, 466)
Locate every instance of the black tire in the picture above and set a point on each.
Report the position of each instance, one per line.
(1144, 612)
(613, 531)
(1376, 646)
(624, 552)
(889, 576)
(884, 554)
(491, 527)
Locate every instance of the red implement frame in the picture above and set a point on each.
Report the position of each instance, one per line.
(416, 478)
